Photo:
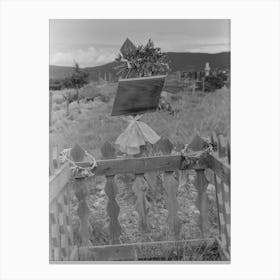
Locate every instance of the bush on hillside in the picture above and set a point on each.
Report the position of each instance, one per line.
(212, 83)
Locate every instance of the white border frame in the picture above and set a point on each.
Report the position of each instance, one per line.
(255, 136)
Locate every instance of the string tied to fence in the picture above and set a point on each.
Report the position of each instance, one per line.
(79, 171)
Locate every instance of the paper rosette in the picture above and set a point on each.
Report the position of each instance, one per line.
(135, 135)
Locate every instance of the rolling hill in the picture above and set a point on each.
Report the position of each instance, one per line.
(178, 62)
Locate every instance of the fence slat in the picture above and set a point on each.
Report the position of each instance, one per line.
(108, 151)
(113, 210)
(55, 234)
(50, 108)
(139, 187)
(221, 146)
(220, 166)
(202, 200)
(214, 140)
(226, 206)
(151, 178)
(228, 151)
(222, 212)
(63, 230)
(171, 186)
(58, 181)
(69, 219)
(51, 167)
(85, 229)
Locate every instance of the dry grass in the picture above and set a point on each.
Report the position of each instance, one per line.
(198, 113)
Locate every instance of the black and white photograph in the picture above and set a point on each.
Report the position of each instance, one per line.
(139, 140)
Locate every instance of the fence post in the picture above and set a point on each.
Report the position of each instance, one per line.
(50, 108)
(111, 190)
(113, 210)
(55, 232)
(171, 187)
(223, 191)
(81, 192)
(202, 202)
(85, 230)
(201, 184)
(51, 166)
(139, 187)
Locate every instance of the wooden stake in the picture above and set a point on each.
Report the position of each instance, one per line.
(50, 108)
(85, 229)
(202, 200)
(113, 210)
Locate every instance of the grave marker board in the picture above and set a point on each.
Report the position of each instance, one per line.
(138, 95)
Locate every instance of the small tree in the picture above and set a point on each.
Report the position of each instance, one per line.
(77, 80)
(142, 61)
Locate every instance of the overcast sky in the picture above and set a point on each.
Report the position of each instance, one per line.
(96, 42)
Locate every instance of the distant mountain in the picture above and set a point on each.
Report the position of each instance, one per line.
(196, 61)
(60, 72)
(178, 62)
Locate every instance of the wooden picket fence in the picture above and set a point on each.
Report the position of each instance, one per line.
(62, 247)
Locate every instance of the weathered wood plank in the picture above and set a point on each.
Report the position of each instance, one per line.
(74, 254)
(56, 156)
(202, 200)
(226, 207)
(105, 253)
(77, 153)
(127, 47)
(58, 181)
(67, 196)
(139, 165)
(51, 167)
(220, 167)
(55, 233)
(63, 229)
(50, 108)
(137, 96)
(171, 186)
(228, 151)
(214, 140)
(139, 187)
(222, 250)
(222, 213)
(164, 146)
(110, 167)
(85, 230)
(108, 151)
(151, 178)
(197, 144)
(221, 146)
(113, 210)
(141, 251)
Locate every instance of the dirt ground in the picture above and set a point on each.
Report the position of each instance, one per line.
(157, 214)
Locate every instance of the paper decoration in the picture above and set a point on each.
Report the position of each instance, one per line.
(136, 134)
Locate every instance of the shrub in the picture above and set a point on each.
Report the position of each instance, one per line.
(212, 83)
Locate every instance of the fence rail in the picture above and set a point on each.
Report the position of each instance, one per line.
(62, 247)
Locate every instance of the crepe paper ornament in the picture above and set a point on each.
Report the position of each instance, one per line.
(135, 135)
